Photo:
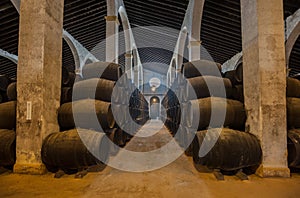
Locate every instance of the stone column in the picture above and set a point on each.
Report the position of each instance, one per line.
(39, 80)
(194, 50)
(194, 37)
(265, 81)
(112, 39)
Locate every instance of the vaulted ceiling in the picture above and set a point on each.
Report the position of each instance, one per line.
(84, 20)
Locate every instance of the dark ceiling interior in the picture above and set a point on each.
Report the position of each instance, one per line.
(84, 20)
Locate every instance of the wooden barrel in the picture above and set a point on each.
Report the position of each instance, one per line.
(239, 76)
(238, 93)
(105, 70)
(171, 126)
(232, 116)
(294, 148)
(8, 115)
(235, 76)
(4, 96)
(72, 79)
(66, 95)
(170, 100)
(4, 82)
(293, 88)
(120, 95)
(7, 147)
(12, 91)
(179, 135)
(78, 78)
(120, 114)
(68, 78)
(233, 150)
(207, 86)
(99, 89)
(117, 136)
(201, 68)
(174, 114)
(64, 76)
(293, 113)
(75, 149)
(88, 114)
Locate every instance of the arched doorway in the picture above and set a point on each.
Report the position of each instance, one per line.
(154, 107)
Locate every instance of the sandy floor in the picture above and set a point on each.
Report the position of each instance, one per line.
(179, 179)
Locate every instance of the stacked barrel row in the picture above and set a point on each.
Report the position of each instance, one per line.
(87, 122)
(138, 108)
(129, 106)
(293, 122)
(208, 108)
(68, 80)
(172, 113)
(6, 88)
(236, 78)
(7, 122)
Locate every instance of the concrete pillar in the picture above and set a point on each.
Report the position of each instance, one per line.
(195, 30)
(194, 50)
(265, 81)
(112, 39)
(128, 62)
(39, 80)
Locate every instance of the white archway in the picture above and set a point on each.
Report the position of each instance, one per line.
(9, 56)
(80, 53)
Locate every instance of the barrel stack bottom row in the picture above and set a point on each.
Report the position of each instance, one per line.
(91, 132)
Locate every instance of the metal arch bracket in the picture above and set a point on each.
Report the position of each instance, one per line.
(80, 53)
(191, 28)
(232, 62)
(292, 33)
(291, 23)
(9, 56)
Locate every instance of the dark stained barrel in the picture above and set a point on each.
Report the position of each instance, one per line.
(120, 114)
(99, 89)
(171, 126)
(75, 149)
(66, 95)
(294, 148)
(233, 150)
(170, 100)
(239, 76)
(293, 88)
(72, 78)
(120, 95)
(7, 147)
(227, 113)
(117, 136)
(64, 76)
(293, 113)
(68, 78)
(8, 115)
(238, 93)
(235, 76)
(206, 86)
(4, 97)
(12, 91)
(4, 82)
(88, 114)
(201, 68)
(105, 70)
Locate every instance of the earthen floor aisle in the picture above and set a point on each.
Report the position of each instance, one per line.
(178, 179)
